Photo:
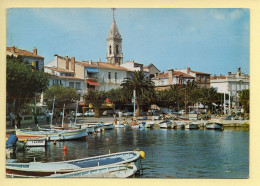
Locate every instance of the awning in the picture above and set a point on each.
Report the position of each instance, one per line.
(92, 70)
(92, 82)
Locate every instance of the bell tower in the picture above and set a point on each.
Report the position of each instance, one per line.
(114, 44)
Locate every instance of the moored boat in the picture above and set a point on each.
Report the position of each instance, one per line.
(165, 124)
(192, 125)
(114, 171)
(214, 125)
(53, 134)
(106, 126)
(49, 168)
(110, 171)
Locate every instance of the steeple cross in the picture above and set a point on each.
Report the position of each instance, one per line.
(113, 13)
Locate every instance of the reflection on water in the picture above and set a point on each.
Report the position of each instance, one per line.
(169, 153)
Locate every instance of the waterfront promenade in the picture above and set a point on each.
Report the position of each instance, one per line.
(44, 124)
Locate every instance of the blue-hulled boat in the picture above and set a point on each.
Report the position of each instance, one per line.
(49, 168)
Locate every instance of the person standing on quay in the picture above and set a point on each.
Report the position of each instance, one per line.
(11, 118)
(19, 118)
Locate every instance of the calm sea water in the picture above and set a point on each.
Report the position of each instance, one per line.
(169, 153)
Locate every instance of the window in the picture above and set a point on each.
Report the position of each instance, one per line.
(205, 79)
(103, 77)
(117, 51)
(109, 75)
(110, 49)
(115, 77)
(37, 65)
(71, 84)
(78, 86)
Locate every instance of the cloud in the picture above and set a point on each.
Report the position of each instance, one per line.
(218, 14)
(236, 14)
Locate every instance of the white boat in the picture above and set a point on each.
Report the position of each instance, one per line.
(49, 168)
(121, 125)
(91, 127)
(115, 171)
(214, 125)
(192, 125)
(106, 126)
(165, 124)
(110, 171)
(136, 126)
(53, 134)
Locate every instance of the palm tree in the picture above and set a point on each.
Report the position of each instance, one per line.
(208, 96)
(176, 95)
(96, 98)
(244, 99)
(143, 86)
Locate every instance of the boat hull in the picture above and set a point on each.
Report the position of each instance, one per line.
(165, 125)
(192, 126)
(214, 126)
(47, 169)
(58, 135)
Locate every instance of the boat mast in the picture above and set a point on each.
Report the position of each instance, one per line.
(52, 112)
(63, 114)
(76, 112)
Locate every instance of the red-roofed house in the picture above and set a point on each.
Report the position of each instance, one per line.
(165, 80)
(202, 79)
(31, 58)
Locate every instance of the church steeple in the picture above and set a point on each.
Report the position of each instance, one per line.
(114, 44)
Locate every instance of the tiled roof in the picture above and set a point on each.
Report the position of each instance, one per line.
(199, 72)
(218, 77)
(20, 52)
(175, 73)
(59, 69)
(103, 65)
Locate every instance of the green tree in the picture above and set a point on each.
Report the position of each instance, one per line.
(143, 86)
(118, 97)
(208, 96)
(244, 99)
(63, 95)
(22, 83)
(96, 98)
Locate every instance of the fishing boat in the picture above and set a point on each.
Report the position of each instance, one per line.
(106, 126)
(49, 168)
(111, 171)
(115, 171)
(165, 124)
(53, 134)
(214, 125)
(192, 125)
(121, 125)
(91, 127)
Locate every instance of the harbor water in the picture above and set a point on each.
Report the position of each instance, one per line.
(169, 153)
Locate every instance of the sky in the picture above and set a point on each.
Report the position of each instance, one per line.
(214, 41)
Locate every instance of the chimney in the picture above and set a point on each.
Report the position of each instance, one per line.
(13, 49)
(72, 64)
(188, 70)
(90, 62)
(170, 72)
(67, 62)
(35, 51)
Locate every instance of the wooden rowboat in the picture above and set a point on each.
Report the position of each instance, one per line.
(53, 134)
(110, 171)
(49, 168)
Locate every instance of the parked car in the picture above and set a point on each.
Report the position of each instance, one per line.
(89, 113)
(154, 112)
(127, 113)
(108, 113)
(78, 114)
